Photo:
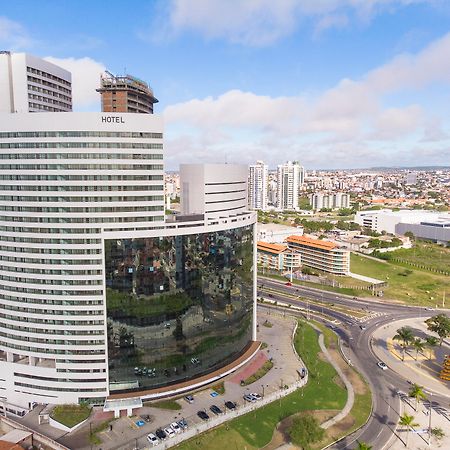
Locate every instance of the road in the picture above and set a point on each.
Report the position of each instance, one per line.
(383, 383)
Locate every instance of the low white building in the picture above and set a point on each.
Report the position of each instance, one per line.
(274, 233)
(387, 220)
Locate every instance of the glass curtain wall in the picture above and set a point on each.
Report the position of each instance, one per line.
(177, 307)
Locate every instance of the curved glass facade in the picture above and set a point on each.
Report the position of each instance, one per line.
(177, 306)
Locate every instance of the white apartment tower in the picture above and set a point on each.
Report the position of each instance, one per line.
(258, 185)
(30, 84)
(289, 181)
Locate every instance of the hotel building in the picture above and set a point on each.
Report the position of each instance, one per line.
(100, 296)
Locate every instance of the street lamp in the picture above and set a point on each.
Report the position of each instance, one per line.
(429, 420)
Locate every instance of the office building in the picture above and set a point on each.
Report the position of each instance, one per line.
(320, 254)
(288, 178)
(31, 84)
(125, 94)
(100, 297)
(258, 186)
(213, 190)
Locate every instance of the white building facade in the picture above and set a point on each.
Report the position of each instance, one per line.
(82, 203)
(213, 190)
(258, 186)
(31, 84)
(288, 177)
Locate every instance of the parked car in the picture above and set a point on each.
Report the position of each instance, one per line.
(230, 405)
(215, 409)
(382, 365)
(160, 433)
(175, 427)
(256, 396)
(170, 433)
(203, 415)
(152, 439)
(363, 327)
(249, 398)
(183, 424)
(189, 398)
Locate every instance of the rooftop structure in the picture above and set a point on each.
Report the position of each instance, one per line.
(125, 94)
(276, 233)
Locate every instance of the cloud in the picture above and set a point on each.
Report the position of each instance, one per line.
(263, 22)
(85, 80)
(340, 124)
(13, 35)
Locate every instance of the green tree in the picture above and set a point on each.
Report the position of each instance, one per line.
(404, 336)
(305, 430)
(440, 325)
(417, 393)
(363, 446)
(407, 421)
(431, 341)
(418, 345)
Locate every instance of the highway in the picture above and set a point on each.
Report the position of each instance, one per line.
(384, 384)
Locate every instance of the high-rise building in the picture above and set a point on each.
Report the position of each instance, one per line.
(411, 178)
(125, 94)
(288, 185)
(258, 186)
(31, 84)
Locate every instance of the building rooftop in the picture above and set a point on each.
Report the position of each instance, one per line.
(272, 248)
(317, 243)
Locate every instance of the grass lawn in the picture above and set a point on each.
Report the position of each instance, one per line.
(427, 254)
(255, 429)
(259, 373)
(219, 388)
(416, 288)
(164, 404)
(70, 415)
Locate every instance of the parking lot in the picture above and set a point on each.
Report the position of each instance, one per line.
(274, 330)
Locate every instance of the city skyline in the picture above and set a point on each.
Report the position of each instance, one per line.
(332, 84)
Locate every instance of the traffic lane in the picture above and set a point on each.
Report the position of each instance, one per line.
(328, 296)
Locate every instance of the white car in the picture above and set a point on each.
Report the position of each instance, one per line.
(382, 365)
(256, 396)
(175, 427)
(152, 439)
(170, 433)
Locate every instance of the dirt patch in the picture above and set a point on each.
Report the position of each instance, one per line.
(322, 357)
(358, 384)
(336, 431)
(280, 434)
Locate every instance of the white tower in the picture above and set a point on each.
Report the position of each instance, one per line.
(288, 185)
(258, 184)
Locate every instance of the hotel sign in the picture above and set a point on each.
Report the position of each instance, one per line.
(112, 119)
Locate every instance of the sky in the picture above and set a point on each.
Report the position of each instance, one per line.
(332, 84)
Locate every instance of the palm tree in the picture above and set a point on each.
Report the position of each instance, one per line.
(405, 336)
(363, 446)
(418, 346)
(416, 392)
(408, 422)
(431, 341)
